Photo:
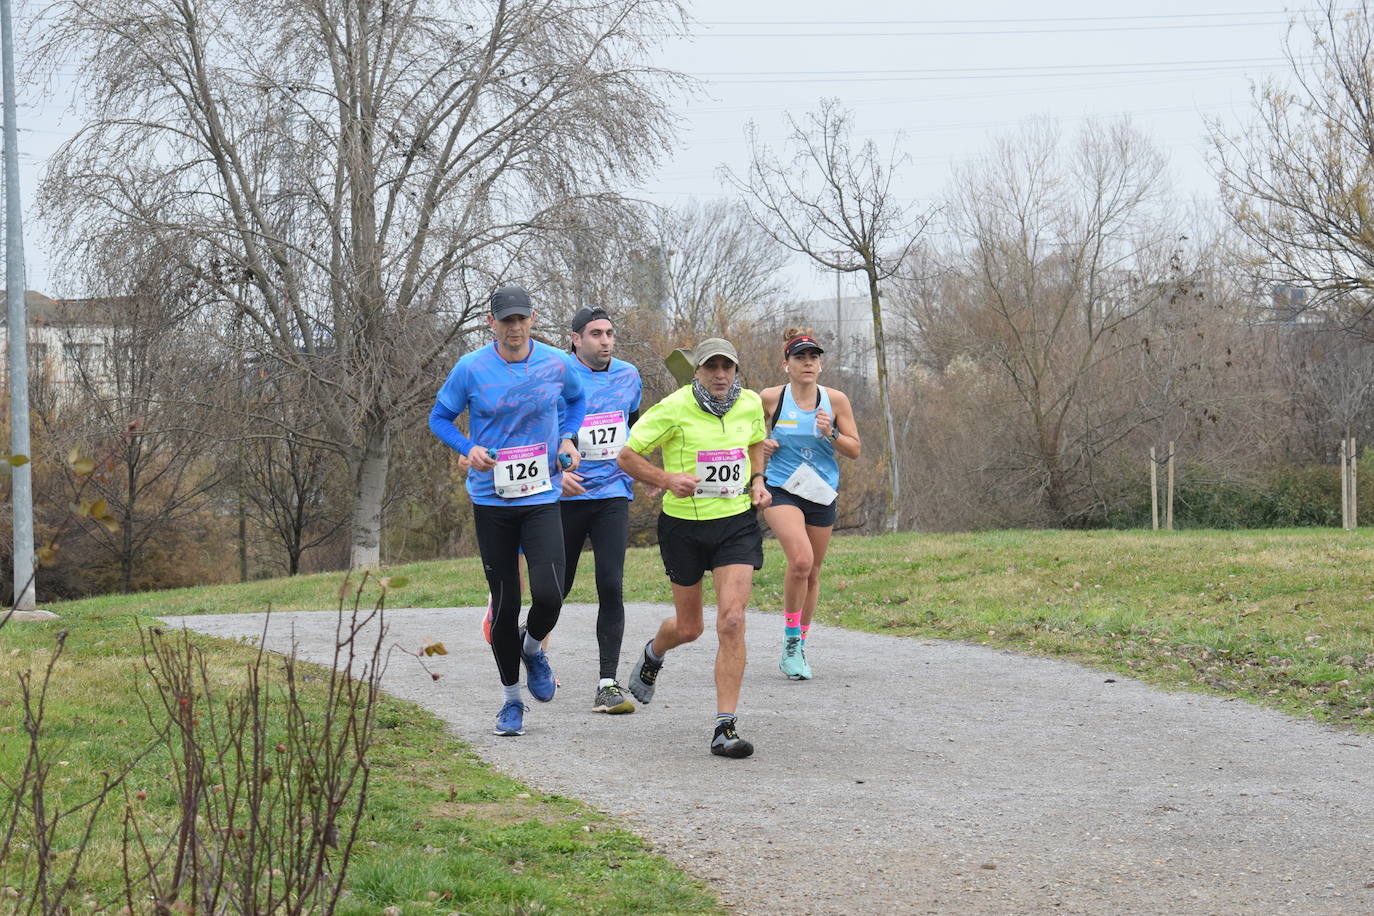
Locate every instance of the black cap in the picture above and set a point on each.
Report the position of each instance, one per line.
(799, 344)
(510, 300)
(585, 316)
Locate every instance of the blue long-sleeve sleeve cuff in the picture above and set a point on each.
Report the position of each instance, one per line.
(441, 424)
(572, 417)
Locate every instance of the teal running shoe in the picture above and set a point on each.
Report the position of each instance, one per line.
(793, 663)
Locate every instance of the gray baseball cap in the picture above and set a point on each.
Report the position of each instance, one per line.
(683, 363)
(713, 346)
(510, 300)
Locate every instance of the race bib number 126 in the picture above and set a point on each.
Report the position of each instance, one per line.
(522, 471)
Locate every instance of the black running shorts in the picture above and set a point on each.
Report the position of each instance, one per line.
(689, 547)
(814, 514)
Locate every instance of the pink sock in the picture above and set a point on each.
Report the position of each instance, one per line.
(805, 629)
(791, 619)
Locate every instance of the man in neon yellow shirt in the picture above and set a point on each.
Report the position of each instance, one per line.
(711, 433)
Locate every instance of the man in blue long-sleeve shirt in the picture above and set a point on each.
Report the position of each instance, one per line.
(525, 405)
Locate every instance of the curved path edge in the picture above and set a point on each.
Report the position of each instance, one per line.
(916, 776)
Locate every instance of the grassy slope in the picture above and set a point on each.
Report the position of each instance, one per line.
(1280, 617)
(443, 833)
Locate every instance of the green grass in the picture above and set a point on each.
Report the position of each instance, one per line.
(1282, 618)
(442, 833)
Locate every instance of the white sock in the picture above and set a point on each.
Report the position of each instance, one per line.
(511, 693)
(605, 682)
(532, 646)
(649, 651)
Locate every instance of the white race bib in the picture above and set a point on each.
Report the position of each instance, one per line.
(809, 485)
(721, 473)
(522, 470)
(602, 435)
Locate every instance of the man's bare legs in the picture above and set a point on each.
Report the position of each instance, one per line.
(734, 584)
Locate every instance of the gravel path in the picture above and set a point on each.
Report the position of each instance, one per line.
(918, 776)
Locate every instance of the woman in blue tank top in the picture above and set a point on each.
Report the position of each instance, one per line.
(811, 425)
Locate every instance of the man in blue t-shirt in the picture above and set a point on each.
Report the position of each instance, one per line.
(525, 405)
(596, 499)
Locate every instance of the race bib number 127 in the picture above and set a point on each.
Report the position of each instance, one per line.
(602, 435)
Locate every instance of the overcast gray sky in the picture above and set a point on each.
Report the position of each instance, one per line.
(941, 79)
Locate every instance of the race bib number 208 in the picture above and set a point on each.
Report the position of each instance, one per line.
(721, 473)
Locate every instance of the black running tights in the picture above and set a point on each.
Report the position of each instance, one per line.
(607, 523)
(501, 532)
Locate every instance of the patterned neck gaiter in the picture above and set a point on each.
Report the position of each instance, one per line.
(718, 406)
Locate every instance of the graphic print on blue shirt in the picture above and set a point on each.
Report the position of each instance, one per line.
(511, 405)
(798, 441)
(614, 390)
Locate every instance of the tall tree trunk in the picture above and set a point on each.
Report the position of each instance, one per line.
(369, 486)
(894, 477)
(1056, 480)
(126, 533)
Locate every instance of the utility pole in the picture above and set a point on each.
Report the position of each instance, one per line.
(839, 326)
(21, 478)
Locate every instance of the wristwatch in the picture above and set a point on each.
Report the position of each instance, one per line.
(834, 434)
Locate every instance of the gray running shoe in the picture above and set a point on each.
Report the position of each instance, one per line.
(609, 699)
(644, 676)
(727, 743)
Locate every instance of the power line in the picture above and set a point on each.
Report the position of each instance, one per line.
(927, 98)
(988, 32)
(1009, 70)
(1032, 19)
(976, 76)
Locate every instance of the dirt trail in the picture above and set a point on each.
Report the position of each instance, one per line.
(917, 776)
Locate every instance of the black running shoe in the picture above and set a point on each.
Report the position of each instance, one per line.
(728, 743)
(644, 675)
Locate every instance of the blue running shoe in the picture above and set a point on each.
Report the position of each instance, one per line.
(510, 721)
(538, 675)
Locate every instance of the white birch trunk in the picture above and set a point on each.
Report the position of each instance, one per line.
(369, 489)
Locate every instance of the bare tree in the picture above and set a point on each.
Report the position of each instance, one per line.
(588, 262)
(288, 480)
(354, 174)
(1299, 180)
(1059, 253)
(134, 386)
(716, 259)
(1336, 374)
(834, 204)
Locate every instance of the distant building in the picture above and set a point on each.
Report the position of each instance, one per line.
(845, 327)
(65, 338)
